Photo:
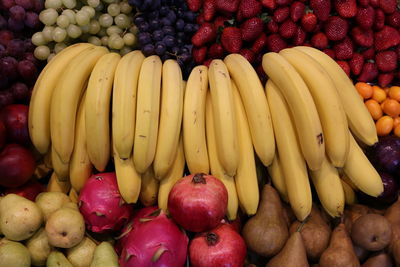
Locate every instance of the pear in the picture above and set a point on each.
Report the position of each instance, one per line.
(39, 247)
(105, 255)
(20, 218)
(49, 202)
(352, 213)
(392, 214)
(340, 252)
(82, 254)
(292, 254)
(396, 252)
(57, 259)
(14, 254)
(379, 260)
(266, 232)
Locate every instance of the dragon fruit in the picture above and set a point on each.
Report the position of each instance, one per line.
(155, 241)
(101, 204)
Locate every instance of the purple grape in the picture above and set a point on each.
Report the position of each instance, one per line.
(185, 57)
(189, 16)
(153, 14)
(175, 50)
(144, 27)
(27, 70)
(148, 50)
(3, 82)
(17, 13)
(9, 67)
(6, 98)
(154, 24)
(168, 30)
(180, 24)
(180, 35)
(20, 91)
(189, 28)
(135, 2)
(29, 46)
(164, 10)
(165, 57)
(26, 4)
(169, 41)
(144, 38)
(180, 13)
(166, 22)
(32, 20)
(180, 41)
(171, 16)
(139, 20)
(38, 5)
(7, 4)
(146, 5)
(29, 56)
(160, 48)
(3, 22)
(16, 48)
(15, 25)
(157, 35)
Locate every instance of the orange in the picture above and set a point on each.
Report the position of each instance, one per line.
(397, 130)
(394, 93)
(384, 125)
(379, 94)
(364, 89)
(374, 108)
(391, 107)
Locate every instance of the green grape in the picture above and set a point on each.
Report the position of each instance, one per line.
(102, 32)
(113, 9)
(70, 14)
(94, 40)
(94, 26)
(89, 10)
(129, 39)
(134, 29)
(125, 50)
(113, 30)
(105, 20)
(104, 40)
(85, 28)
(50, 57)
(93, 3)
(74, 31)
(125, 7)
(122, 21)
(109, 1)
(48, 16)
(59, 46)
(63, 21)
(56, 4)
(69, 4)
(85, 36)
(48, 33)
(99, 7)
(115, 41)
(38, 39)
(41, 52)
(82, 18)
(59, 34)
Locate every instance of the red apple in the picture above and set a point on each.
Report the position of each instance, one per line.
(15, 118)
(3, 134)
(17, 165)
(28, 190)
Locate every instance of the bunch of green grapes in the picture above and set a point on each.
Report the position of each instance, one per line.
(108, 23)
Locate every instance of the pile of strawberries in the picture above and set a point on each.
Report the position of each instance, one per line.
(363, 36)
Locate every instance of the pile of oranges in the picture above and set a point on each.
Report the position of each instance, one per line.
(384, 106)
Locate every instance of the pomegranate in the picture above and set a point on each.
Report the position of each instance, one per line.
(198, 202)
(15, 118)
(29, 190)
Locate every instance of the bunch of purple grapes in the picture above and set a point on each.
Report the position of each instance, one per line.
(18, 67)
(165, 29)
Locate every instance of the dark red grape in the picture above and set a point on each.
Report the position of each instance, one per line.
(32, 20)
(160, 48)
(148, 50)
(26, 4)
(29, 56)
(3, 82)
(157, 35)
(17, 13)
(15, 25)
(27, 70)
(20, 91)
(7, 4)
(5, 37)
(29, 46)
(38, 5)
(6, 98)
(3, 51)
(16, 48)
(3, 22)
(9, 67)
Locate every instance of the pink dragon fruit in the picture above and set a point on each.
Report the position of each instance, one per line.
(156, 241)
(101, 204)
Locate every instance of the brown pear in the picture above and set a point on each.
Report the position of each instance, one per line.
(292, 254)
(361, 253)
(288, 214)
(266, 232)
(392, 214)
(340, 252)
(352, 213)
(396, 252)
(379, 260)
(315, 233)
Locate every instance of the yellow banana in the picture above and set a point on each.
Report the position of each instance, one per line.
(301, 105)
(327, 101)
(169, 130)
(255, 104)
(349, 194)
(359, 119)
(292, 161)
(278, 180)
(216, 167)
(55, 185)
(224, 116)
(66, 97)
(39, 107)
(124, 102)
(60, 168)
(346, 179)
(149, 188)
(194, 114)
(147, 113)
(97, 111)
(73, 195)
(47, 159)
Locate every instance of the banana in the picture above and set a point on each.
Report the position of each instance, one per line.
(349, 194)
(302, 107)
(97, 111)
(292, 161)
(327, 101)
(255, 104)
(66, 97)
(194, 130)
(329, 188)
(361, 172)
(80, 167)
(124, 102)
(39, 106)
(346, 179)
(175, 173)
(73, 195)
(359, 119)
(47, 159)
(278, 180)
(216, 167)
(224, 116)
(147, 113)
(60, 168)
(149, 188)
(55, 185)
(246, 174)
(169, 130)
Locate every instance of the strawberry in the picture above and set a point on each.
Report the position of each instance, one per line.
(259, 44)
(356, 63)
(308, 22)
(346, 8)
(219, 23)
(369, 53)
(394, 19)
(384, 79)
(248, 54)
(194, 5)
(362, 37)
(386, 61)
(270, 4)
(374, 3)
(319, 40)
(205, 34)
(345, 66)
(200, 19)
(209, 9)
(282, 2)
(365, 17)
(216, 51)
(321, 8)
(329, 52)
(207, 62)
(344, 49)
(276, 43)
(199, 54)
(249, 9)
(363, 3)
(297, 10)
(231, 39)
(272, 26)
(281, 14)
(369, 72)
(228, 6)
(386, 38)
(252, 28)
(379, 19)
(299, 37)
(288, 29)
(336, 28)
(388, 6)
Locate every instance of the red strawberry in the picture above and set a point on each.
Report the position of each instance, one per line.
(299, 37)
(369, 72)
(329, 52)
(207, 62)
(205, 34)
(362, 37)
(276, 43)
(356, 63)
(319, 40)
(384, 79)
(369, 53)
(283, 2)
(200, 19)
(386, 38)
(288, 29)
(216, 51)
(248, 54)
(252, 28)
(199, 54)
(345, 66)
(386, 61)
(259, 44)
(231, 39)
(308, 22)
(365, 17)
(374, 3)
(219, 22)
(388, 6)
(281, 14)
(271, 4)
(194, 5)
(336, 28)
(321, 8)
(297, 10)
(379, 19)
(209, 9)
(344, 49)
(272, 26)
(394, 19)
(346, 8)
(229, 6)
(249, 9)
(363, 3)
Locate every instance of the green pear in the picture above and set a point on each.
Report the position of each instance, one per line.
(49, 202)
(14, 254)
(82, 254)
(39, 247)
(57, 259)
(105, 255)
